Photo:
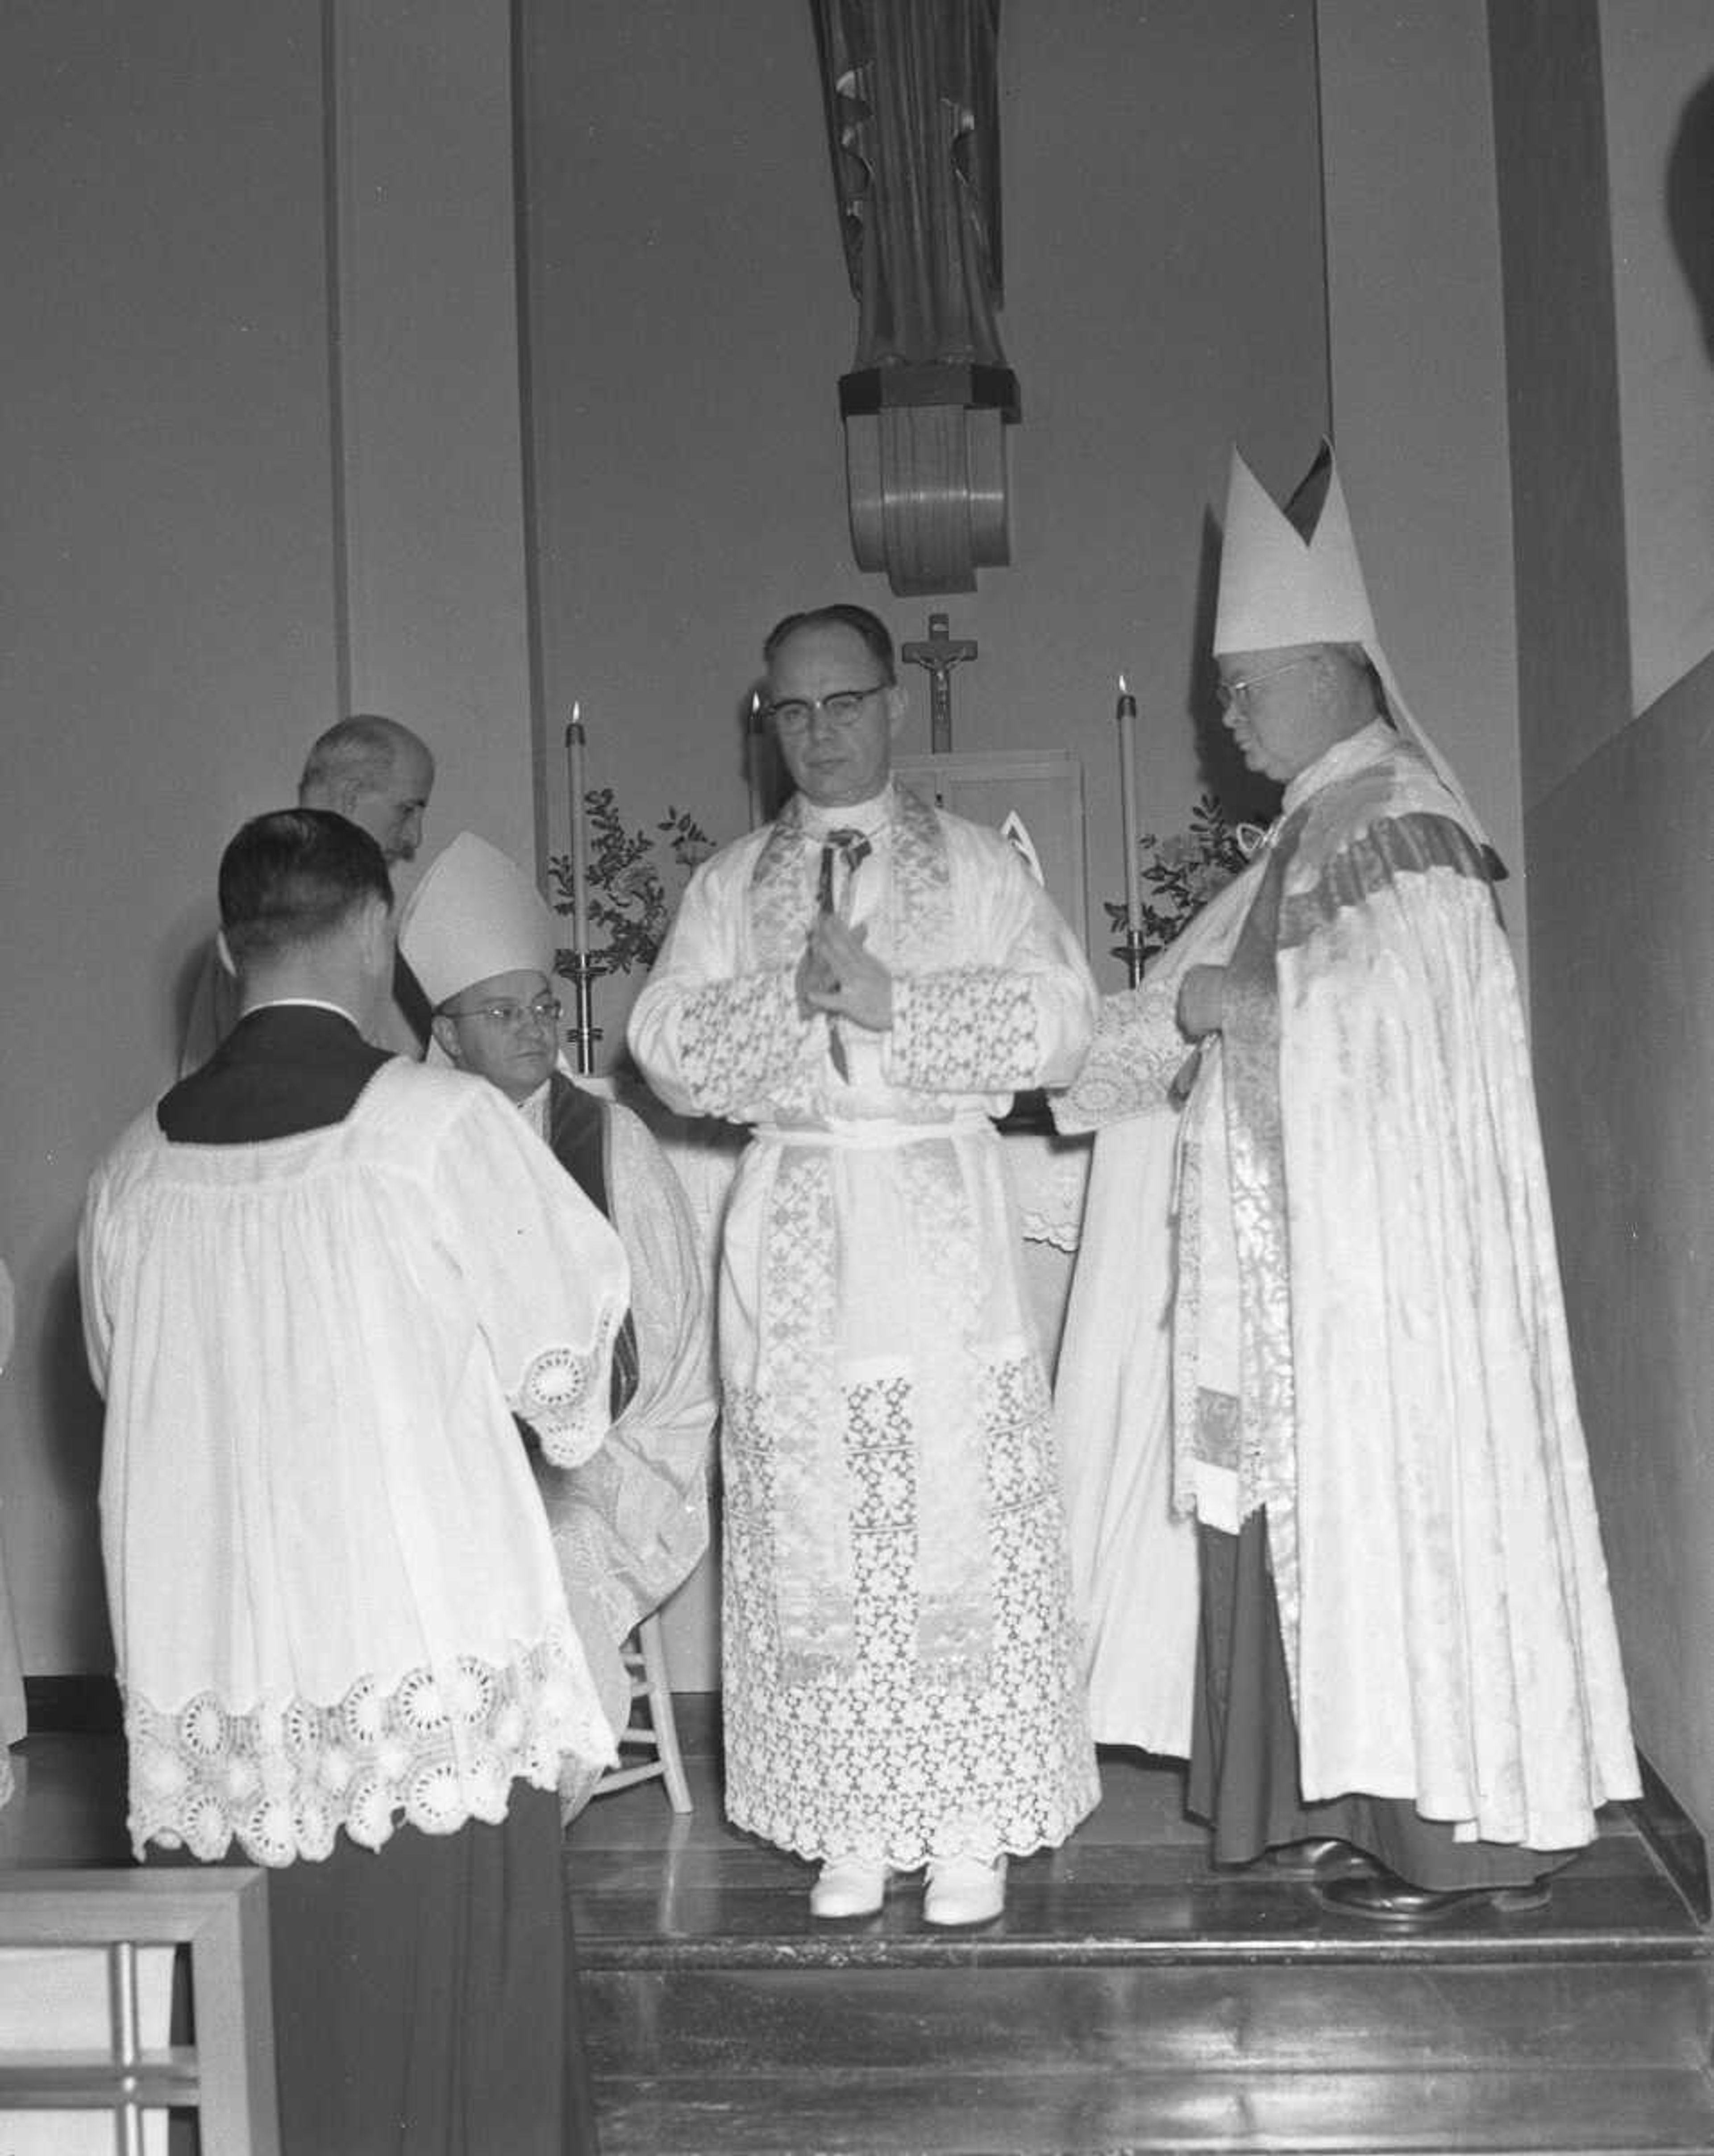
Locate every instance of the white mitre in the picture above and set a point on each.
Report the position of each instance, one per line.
(1278, 589)
(473, 914)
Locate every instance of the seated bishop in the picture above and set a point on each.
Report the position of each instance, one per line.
(631, 1523)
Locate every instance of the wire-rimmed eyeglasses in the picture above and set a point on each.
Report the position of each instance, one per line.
(543, 1010)
(1234, 695)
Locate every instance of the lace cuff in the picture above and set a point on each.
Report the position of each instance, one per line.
(562, 1402)
(1136, 1053)
(742, 1042)
(970, 1031)
(440, 1749)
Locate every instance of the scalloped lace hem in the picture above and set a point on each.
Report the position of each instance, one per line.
(440, 1749)
(984, 1839)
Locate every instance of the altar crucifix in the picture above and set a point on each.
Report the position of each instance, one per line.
(938, 653)
(1033, 798)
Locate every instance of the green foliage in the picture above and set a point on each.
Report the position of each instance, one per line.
(1181, 874)
(635, 879)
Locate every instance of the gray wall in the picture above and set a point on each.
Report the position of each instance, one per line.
(259, 400)
(1609, 372)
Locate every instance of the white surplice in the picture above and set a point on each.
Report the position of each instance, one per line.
(374, 1627)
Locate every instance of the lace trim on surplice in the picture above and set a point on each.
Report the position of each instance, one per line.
(1136, 1053)
(893, 1757)
(438, 1750)
(558, 1396)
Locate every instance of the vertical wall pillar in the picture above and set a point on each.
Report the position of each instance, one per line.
(427, 448)
(1417, 354)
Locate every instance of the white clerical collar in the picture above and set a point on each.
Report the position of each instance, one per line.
(300, 1003)
(868, 817)
(1340, 761)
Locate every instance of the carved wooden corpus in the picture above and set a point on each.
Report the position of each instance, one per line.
(913, 121)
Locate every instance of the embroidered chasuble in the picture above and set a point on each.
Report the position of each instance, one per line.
(900, 1665)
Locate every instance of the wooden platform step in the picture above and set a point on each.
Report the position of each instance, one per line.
(839, 2112)
(1131, 1999)
(1264, 2049)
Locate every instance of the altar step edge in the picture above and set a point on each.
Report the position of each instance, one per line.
(1572, 2050)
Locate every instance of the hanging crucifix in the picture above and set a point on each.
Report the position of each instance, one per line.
(937, 654)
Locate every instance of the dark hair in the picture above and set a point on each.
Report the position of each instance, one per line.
(874, 631)
(291, 877)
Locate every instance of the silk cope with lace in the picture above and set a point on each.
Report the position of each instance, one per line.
(1368, 1334)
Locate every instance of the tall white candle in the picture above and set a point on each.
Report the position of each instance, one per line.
(577, 787)
(1127, 804)
(752, 758)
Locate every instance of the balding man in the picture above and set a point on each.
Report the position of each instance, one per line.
(378, 775)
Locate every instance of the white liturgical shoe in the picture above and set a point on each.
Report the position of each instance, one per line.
(848, 1886)
(963, 1890)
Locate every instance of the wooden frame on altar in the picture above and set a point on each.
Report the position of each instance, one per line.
(1035, 796)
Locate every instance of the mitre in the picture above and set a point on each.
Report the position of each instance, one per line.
(473, 914)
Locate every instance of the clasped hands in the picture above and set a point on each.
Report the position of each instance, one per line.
(838, 976)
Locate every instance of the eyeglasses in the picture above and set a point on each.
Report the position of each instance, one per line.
(1234, 695)
(544, 1010)
(840, 709)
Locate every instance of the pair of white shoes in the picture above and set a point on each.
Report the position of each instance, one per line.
(961, 1890)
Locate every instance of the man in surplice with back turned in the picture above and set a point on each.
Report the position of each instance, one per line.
(318, 1281)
